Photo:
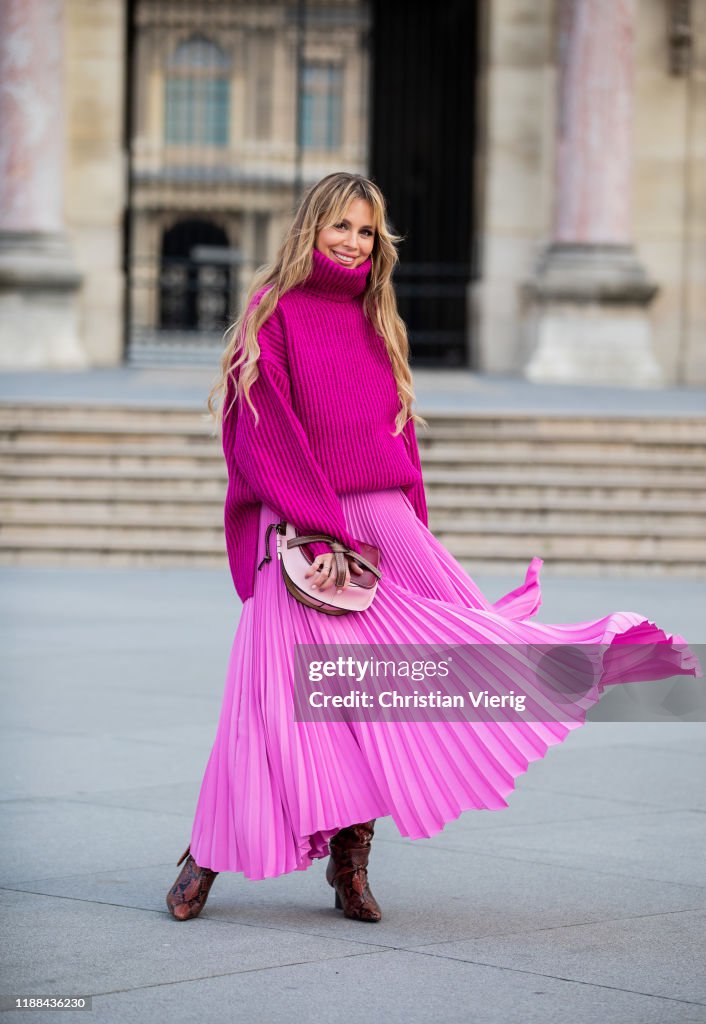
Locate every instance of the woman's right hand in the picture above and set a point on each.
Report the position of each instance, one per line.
(323, 572)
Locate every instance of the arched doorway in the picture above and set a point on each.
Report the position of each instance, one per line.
(194, 280)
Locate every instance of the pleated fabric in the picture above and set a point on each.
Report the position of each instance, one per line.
(275, 790)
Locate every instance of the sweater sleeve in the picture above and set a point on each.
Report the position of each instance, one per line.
(275, 456)
(415, 492)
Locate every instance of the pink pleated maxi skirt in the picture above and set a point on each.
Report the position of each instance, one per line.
(275, 790)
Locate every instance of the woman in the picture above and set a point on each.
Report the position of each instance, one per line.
(318, 430)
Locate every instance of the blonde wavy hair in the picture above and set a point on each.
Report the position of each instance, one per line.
(324, 205)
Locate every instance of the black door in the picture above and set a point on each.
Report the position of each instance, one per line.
(422, 132)
(194, 288)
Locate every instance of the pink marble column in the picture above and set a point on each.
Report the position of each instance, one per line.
(39, 280)
(594, 130)
(587, 316)
(31, 115)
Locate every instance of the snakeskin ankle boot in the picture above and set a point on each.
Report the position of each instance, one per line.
(347, 872)
(187, 897)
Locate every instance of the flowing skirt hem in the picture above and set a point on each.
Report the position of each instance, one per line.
(275, 790)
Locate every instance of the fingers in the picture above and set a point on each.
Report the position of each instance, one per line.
(319, 569)
(331, 579)
(322, 572)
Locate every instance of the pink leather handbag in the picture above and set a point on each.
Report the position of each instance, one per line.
(295, 558)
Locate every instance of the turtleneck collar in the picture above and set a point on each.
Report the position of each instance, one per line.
(332, 280)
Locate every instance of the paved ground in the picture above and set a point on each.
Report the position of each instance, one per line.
(436, 390)
(582, 902)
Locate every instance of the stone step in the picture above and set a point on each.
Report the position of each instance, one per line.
(448, 456)
(46, 458)
(456, 534)
(504, 544)
(138, 418)
(142, 472)
(542, 426)
(553, 543)
(65, 493)
(607, 481)
(86, 485)
(195, 515)
(434, 449)
(55, 450)
(117, 515)
(101, 536)
(558, 449)
(616, 568)
(579, 524)
(611, 523)
(139, 425)
(98, 539)
(463, 484)
(498, 564)
(103, 557)
(109, 486)
(563, 501)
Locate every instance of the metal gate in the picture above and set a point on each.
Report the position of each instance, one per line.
(422, 150)
(235, 107)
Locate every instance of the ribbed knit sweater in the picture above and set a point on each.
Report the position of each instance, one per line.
(327, 400)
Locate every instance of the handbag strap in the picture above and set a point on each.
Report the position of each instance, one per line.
(268, 556)
(339, 550)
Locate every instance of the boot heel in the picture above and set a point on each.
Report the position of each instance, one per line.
(347, 872)
(187, 897)
(184, 855)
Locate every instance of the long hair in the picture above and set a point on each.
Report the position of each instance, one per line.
(324, 205)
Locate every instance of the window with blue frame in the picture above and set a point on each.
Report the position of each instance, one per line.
(197, 94)
(321, 106)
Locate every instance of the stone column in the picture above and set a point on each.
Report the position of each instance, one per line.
(588, 317)
(38, 276)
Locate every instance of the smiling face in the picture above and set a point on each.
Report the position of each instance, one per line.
(350, 241)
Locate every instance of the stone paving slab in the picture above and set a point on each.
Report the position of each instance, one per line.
(394, 986)
(634, 845)
(661, 954)
(107, 947)
(582, 901)
(631, 775)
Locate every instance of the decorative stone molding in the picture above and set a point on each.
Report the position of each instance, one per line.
(591, 273)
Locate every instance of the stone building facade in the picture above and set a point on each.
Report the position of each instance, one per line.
(153, 152)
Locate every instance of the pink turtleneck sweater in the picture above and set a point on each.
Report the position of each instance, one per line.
(327, 401)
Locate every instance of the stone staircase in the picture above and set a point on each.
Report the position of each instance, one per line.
(112, 484)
